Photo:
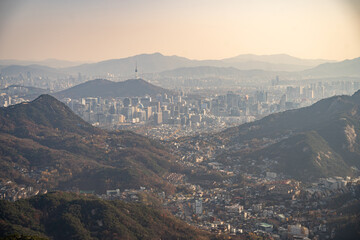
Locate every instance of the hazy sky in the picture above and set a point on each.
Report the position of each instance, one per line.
(198, 29)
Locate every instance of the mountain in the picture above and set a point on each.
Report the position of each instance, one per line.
(34, 70)
(349, 68)
(306, 155)
(43, 143)
(53, 63)
(62, 215)
(156, 62)
(207, 71)
(276, 59)
(321, 140)
(147, 63)
(105, 88)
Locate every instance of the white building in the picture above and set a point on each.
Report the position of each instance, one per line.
(297, 231)
(198, 206)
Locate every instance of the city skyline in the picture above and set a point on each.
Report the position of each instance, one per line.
(95, 31)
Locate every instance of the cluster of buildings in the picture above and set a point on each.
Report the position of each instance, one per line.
(272, 208)
(6, 100)
(54, 83)
(13, 192)
(197, 111)
(250, 198)
(325, 186)
(146, 109)
(182, 114)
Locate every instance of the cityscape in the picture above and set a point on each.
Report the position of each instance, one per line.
(129, 120)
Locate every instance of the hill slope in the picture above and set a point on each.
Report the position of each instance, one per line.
(206, 71)
(57, 149)
(306, 156)
(349, 68)
(317, 141)
(105, 88)
(68, 216)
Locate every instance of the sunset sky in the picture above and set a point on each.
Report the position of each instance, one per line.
(89, 30)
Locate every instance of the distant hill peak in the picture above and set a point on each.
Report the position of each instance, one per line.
(348, 67)
(48, 100)
(137, 80)
(98, 80)
(105, 88)
(45, 98)
(356, 96)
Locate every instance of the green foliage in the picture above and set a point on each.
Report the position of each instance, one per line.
(321, 140)
(69, 216)
(306, 156)
(22, 237)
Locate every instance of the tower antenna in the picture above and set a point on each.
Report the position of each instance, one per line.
(136, 71)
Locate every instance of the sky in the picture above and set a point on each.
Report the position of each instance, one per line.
(89, 30)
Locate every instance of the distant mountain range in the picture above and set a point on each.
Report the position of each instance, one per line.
(173, 66)
(147, 63)
(349, 68)
(54, 63)
(207, 71)
(45, 135)
(276, 59)
(33, 70)
(156, 62)
(105, 88)
(317, 141)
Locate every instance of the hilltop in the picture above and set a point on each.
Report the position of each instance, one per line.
(64, 152)
(105, 88)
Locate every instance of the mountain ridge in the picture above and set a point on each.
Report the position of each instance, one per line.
(34, 69)
(157, 62)
(348, 67)
(106, 88)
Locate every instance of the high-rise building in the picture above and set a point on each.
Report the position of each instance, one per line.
(261, 96)
(165, 116)
(198, 206)
(135, 101)
(232, 99)
(148, 113)
(145, 101)
(158, 118)
(127, 102)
